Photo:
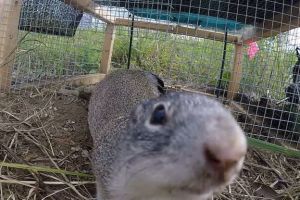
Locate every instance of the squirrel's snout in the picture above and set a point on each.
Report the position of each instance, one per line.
(225, 160)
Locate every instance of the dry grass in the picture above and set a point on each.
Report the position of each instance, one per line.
(42, 128)
(266, 176)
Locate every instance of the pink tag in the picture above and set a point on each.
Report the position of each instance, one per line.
(252, 49)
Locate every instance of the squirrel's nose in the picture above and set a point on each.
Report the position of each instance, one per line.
(225, 159)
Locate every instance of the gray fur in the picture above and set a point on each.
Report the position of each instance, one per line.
(136, 160)
(110, 105)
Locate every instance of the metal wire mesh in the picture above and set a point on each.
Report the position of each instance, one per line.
(49, 17)
(56, 41)
(184, 42)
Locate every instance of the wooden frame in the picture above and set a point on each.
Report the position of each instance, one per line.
(180, 30)
(283, 23)
(236, 72)
(107, 48)
(9, 21)
(78, 81)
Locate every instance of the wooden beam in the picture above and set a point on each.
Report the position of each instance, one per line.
(180, 30)
(107, 48)
(282, 22)
(77, 81)
(92, 8)
(236, 73)
(9, 21)
(84, 80)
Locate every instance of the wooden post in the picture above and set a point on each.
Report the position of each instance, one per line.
(9, 22)
(107, 48)
(236, 73)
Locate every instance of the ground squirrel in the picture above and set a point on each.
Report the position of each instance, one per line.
(152, 145)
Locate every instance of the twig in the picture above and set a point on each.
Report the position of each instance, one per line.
(11, 115)
(13, 181)
(16, 118)
(46, 134)
(33, 129)
(244, 189)
(39, 93)
(269, 164)
(55, 192)
(4, 159)
(68, 184)
(77, 183)
(28, 136)
(259, 166)
(223, 196)
(41, 110)
(15, 156)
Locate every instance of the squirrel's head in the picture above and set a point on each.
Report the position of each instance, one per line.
(180, 146)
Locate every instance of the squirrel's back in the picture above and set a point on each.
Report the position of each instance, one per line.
(110, 105)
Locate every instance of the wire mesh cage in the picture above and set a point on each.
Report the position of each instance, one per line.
(245, 54)
(205, 45)
(208, 57)
(49, 17)
(54, 42)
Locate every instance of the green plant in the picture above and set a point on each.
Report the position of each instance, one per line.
(187, 59)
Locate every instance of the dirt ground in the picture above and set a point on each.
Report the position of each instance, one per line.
(45, 128)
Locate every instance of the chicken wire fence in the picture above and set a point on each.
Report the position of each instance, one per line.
(192, 45)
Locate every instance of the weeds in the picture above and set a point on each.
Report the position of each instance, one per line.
(193, 60)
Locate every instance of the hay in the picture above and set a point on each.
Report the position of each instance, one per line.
(49, 128)
(41, 128)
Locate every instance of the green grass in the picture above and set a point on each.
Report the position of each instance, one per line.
(200, 61)
(197, 61)
(185, 60)
(44, 169)
(40, 53)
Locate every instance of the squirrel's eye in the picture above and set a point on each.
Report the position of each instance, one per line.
(159, 115)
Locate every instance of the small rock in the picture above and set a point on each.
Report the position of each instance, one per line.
(70, 122)
(77, 148)
(74, 156)
(3, 95)
(85, 153)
